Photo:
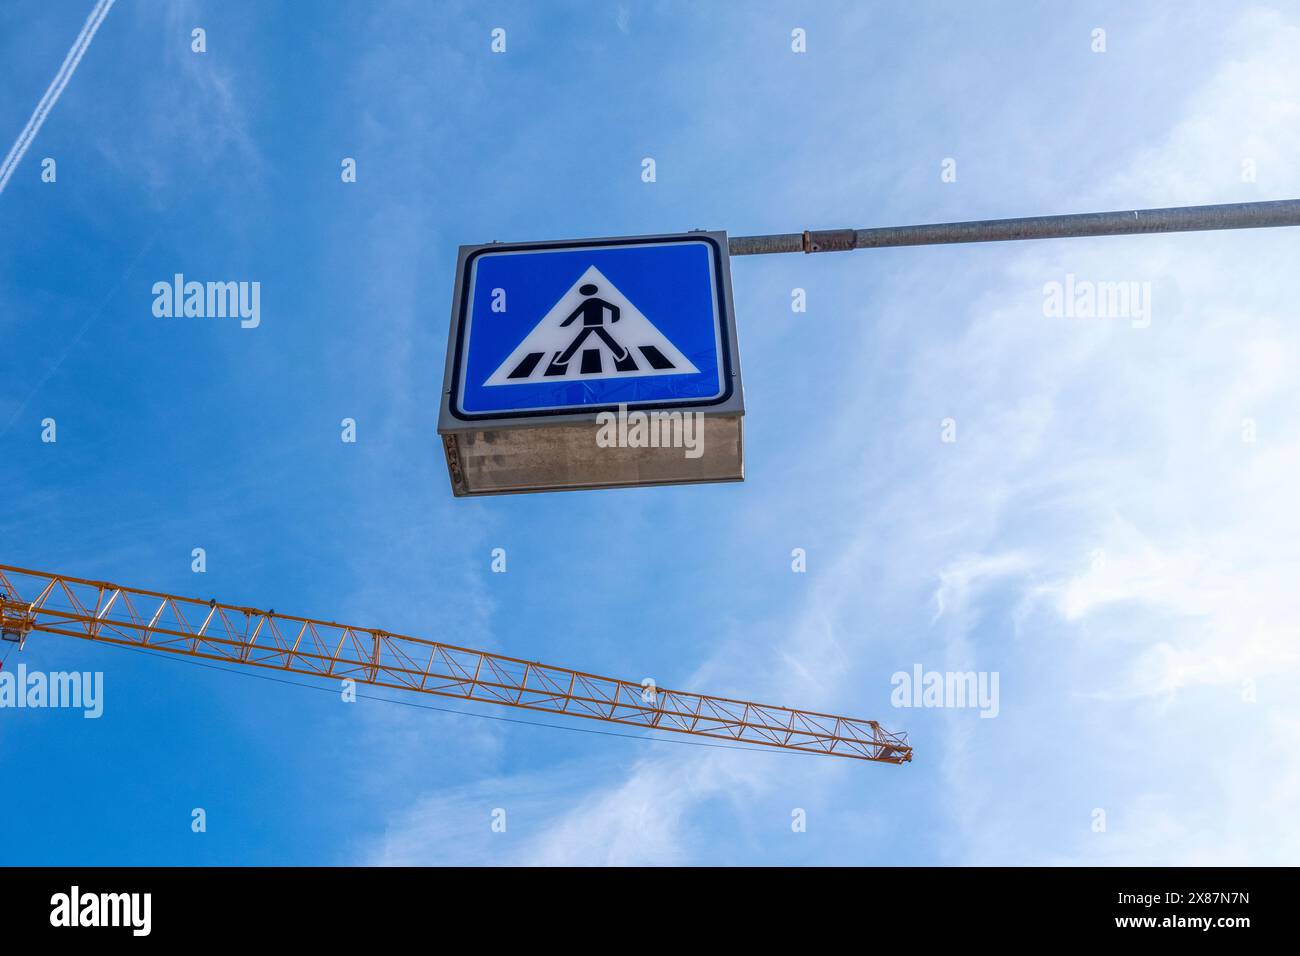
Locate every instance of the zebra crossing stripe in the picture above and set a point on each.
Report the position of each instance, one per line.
(656, 358)
(592, 362)
(525, 368)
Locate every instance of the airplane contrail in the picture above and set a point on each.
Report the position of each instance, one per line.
(78, 50)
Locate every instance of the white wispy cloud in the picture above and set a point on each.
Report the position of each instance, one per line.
(1100, 523)
(1164, 539)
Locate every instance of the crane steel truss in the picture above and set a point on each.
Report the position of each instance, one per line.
(112, 614)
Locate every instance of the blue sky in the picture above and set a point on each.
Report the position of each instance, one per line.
(1101, 534)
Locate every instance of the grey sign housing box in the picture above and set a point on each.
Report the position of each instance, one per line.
(557, 450)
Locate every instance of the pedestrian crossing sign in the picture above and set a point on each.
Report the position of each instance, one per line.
(559, 329)
(592, 363)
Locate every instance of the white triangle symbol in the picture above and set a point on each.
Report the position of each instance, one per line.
(591, 333)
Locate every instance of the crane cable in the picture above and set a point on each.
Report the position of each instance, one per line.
(469, 713)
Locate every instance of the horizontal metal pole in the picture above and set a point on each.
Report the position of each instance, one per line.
(1242, 215)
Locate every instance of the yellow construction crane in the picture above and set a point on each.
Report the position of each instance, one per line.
(40, 602)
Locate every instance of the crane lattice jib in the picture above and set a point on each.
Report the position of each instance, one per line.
(40, 602)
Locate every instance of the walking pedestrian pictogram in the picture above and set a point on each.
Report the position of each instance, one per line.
(593, 331)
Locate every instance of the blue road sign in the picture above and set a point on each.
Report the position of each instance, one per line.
(558, 328)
